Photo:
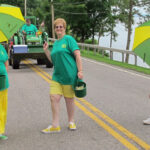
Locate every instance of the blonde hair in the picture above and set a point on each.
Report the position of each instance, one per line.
(60, 20)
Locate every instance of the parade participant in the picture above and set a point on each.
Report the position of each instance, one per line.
(29, 29)
(66, 59)
(42, 27)
(3, 91)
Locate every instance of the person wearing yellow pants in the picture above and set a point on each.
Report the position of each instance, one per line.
(4, 84)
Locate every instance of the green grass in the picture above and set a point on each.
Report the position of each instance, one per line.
(98, 57)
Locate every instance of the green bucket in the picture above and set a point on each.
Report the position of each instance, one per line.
(80, 88)
(2, 82)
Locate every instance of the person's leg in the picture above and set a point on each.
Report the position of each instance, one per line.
(70, 105)
(3, 112)
(55, 106)
(71, 111)
(55, 96)
(69, 98)
(70, 108)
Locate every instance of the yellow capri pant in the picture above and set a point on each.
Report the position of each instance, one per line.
(3, 110)
(65, 90)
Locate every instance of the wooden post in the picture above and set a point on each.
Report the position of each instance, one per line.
(135, 59)
(88, 49)
(98, 50)
(123, 57)
(103, 52)
(25, 8)
(52, 11)
(94, 50)
(111, 55)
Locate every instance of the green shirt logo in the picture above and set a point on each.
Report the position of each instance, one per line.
(63, 46)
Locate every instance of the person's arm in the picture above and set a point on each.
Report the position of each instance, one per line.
(47, 52)
(36, 34)
(79, 63)
(23, 32)
(6, 65)
(23, 29)
(36, 31)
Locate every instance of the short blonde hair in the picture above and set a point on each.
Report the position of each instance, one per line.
(60, 20)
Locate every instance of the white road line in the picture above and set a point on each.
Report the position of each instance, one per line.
(122, 70)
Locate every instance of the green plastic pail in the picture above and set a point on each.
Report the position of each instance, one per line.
(80, 89)
(2, 81)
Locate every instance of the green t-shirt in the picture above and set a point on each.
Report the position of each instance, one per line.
(32, 29)
(3, 59)
(65, 67)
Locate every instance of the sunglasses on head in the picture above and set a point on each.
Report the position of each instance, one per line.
(59, 27)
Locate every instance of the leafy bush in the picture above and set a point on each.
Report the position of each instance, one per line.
(89, 41)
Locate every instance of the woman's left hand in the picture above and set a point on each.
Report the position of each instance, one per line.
(45, 46)
(80, 75)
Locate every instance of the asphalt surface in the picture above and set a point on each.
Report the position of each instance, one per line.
(108, 118)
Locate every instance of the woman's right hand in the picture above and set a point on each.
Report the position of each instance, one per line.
(80, 75)
(45, 46)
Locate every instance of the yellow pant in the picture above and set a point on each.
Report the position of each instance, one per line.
(3, 110)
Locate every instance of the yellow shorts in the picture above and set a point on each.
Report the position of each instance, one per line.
(65, 90)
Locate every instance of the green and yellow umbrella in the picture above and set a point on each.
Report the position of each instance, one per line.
(11, 20)
(141, 45)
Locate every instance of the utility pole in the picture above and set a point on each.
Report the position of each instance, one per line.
(52, 11)
(25, 8)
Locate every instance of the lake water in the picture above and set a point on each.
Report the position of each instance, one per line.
(121, 44)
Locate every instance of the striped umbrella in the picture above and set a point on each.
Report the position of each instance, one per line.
(141, 45)
(11, 20)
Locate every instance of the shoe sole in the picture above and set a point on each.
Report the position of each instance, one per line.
(72, 129)
(146, 123)
(50, 132)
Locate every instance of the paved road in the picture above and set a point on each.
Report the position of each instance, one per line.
(108, 118)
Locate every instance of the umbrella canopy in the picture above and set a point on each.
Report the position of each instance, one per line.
(11, 20)
(141, 45)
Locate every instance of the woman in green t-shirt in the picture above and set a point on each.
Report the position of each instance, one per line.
(66, 59)
(3, 90)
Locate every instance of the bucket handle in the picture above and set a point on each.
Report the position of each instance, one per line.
(79, 80)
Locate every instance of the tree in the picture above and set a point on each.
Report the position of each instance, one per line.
(127, 9)
(113, 21)
(98, 12)
(85, 18)
(76, 17)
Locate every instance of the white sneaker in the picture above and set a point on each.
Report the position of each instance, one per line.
(147, 121)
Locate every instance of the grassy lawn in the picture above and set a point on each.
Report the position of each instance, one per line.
(98, 57)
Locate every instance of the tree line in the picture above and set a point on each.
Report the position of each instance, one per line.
(88, 18)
